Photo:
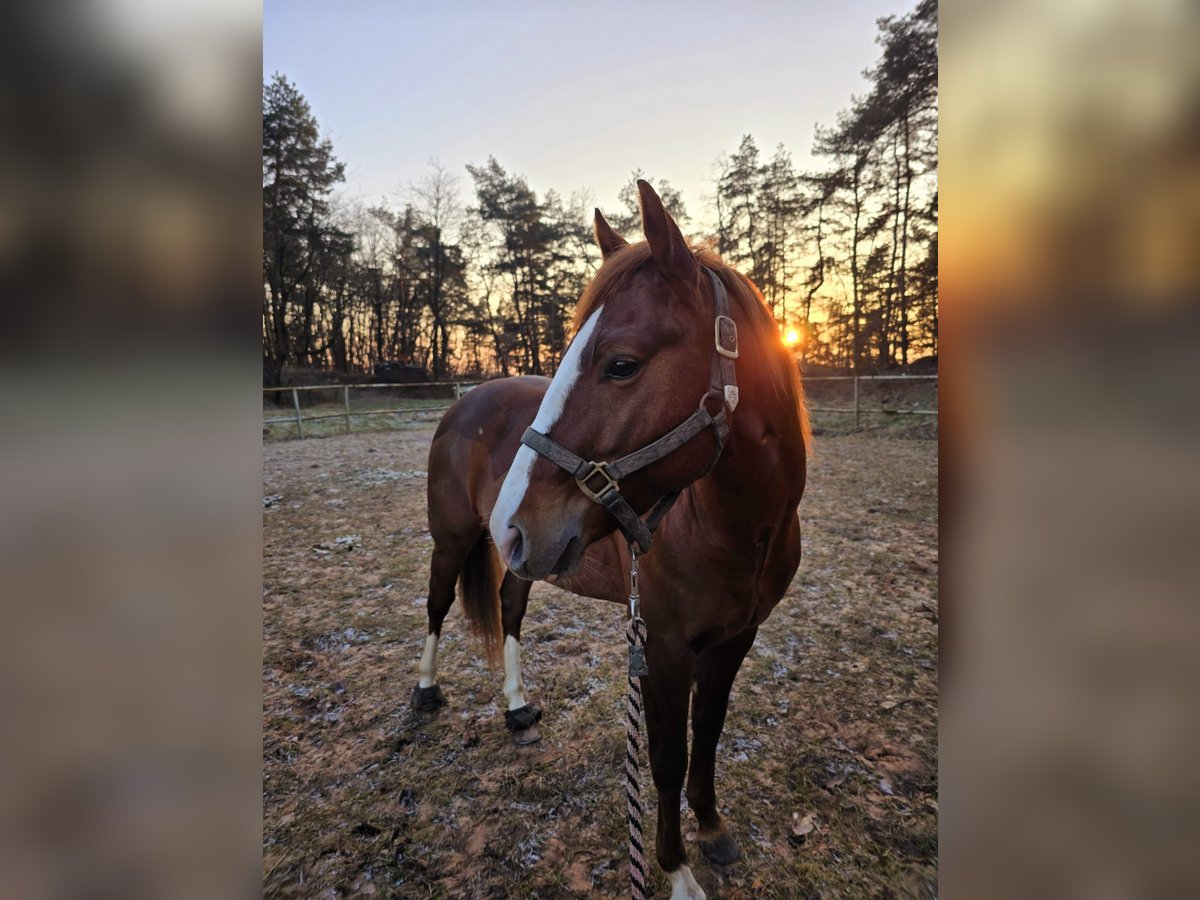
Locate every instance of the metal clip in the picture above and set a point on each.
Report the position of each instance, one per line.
(637, 662)
(637, 652)
(634, 598)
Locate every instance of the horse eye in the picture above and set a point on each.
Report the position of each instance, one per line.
(621, 368)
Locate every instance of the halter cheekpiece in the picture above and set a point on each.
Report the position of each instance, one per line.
(600, 481)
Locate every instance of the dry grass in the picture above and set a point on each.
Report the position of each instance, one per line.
(833, 716)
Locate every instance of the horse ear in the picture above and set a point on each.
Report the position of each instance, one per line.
(607, 239)
(666, 241)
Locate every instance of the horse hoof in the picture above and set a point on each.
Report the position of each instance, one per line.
(520, 719)
(428, 699)
(523, 724)
(721, 850)
(526, 736)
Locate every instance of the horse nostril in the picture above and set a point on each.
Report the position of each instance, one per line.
(515, 539)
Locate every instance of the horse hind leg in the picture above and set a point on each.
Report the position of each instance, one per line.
(521, 718)
(449, 556)
(715, 671)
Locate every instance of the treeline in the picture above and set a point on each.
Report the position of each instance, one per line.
(477, 282)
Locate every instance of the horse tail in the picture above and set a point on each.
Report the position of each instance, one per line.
(480, 580)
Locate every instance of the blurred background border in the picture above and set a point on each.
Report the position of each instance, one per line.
(129, 460)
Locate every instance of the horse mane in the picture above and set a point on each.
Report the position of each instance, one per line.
(762, 348)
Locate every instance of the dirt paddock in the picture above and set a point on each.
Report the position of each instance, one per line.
(827, 772)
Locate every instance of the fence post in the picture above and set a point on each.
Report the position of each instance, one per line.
(457, 390)
(296, 404)
(856, 402)
(346, 400)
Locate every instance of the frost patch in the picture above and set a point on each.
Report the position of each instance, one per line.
(375, 477)
(343, 544)
(339, 641)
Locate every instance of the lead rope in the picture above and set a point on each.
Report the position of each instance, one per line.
(635, 633)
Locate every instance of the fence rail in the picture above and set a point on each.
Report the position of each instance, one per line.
(461, 387)
(400, 385)
(347, 414)
(857, 409)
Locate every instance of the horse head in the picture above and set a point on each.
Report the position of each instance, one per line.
(640, 364)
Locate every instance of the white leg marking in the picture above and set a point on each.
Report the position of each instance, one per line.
(516, 482)
(428, 666)
(684, 886)
(514, 686)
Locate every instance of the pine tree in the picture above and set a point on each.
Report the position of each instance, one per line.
(738, 238)
(299, 171)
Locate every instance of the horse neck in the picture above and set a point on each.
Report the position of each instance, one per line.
(760, 474)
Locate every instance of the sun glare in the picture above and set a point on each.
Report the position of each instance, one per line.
(791, 337)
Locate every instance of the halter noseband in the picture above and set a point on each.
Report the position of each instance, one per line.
(599, 481)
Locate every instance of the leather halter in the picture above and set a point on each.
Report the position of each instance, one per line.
(600, 481)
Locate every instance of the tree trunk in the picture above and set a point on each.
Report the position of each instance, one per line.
(377, 306)
(903, 287)
(808, 299)
(856, 355)
(891, 285)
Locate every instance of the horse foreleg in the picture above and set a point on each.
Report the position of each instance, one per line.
(520, 718)
(715, 671)
(665, 693)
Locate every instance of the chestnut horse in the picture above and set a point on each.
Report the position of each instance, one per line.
(645, 352)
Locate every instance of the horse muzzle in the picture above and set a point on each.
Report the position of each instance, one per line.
(534, 554)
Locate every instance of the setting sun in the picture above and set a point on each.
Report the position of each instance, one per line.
(791, 337)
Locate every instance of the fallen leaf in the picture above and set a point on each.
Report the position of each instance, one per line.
(801, 827)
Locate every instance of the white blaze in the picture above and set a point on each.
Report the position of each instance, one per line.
(428, 667)
(514, 685)
(684, 886)
(516, 482)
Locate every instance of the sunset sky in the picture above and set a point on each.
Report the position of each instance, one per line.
(571, 96)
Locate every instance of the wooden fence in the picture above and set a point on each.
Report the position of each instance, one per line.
(857, 410)
(347, 414)
(458, 388)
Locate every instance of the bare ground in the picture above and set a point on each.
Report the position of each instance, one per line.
(832, 724)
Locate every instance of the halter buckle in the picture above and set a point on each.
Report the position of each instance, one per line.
(601, 469)
(725, 337)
